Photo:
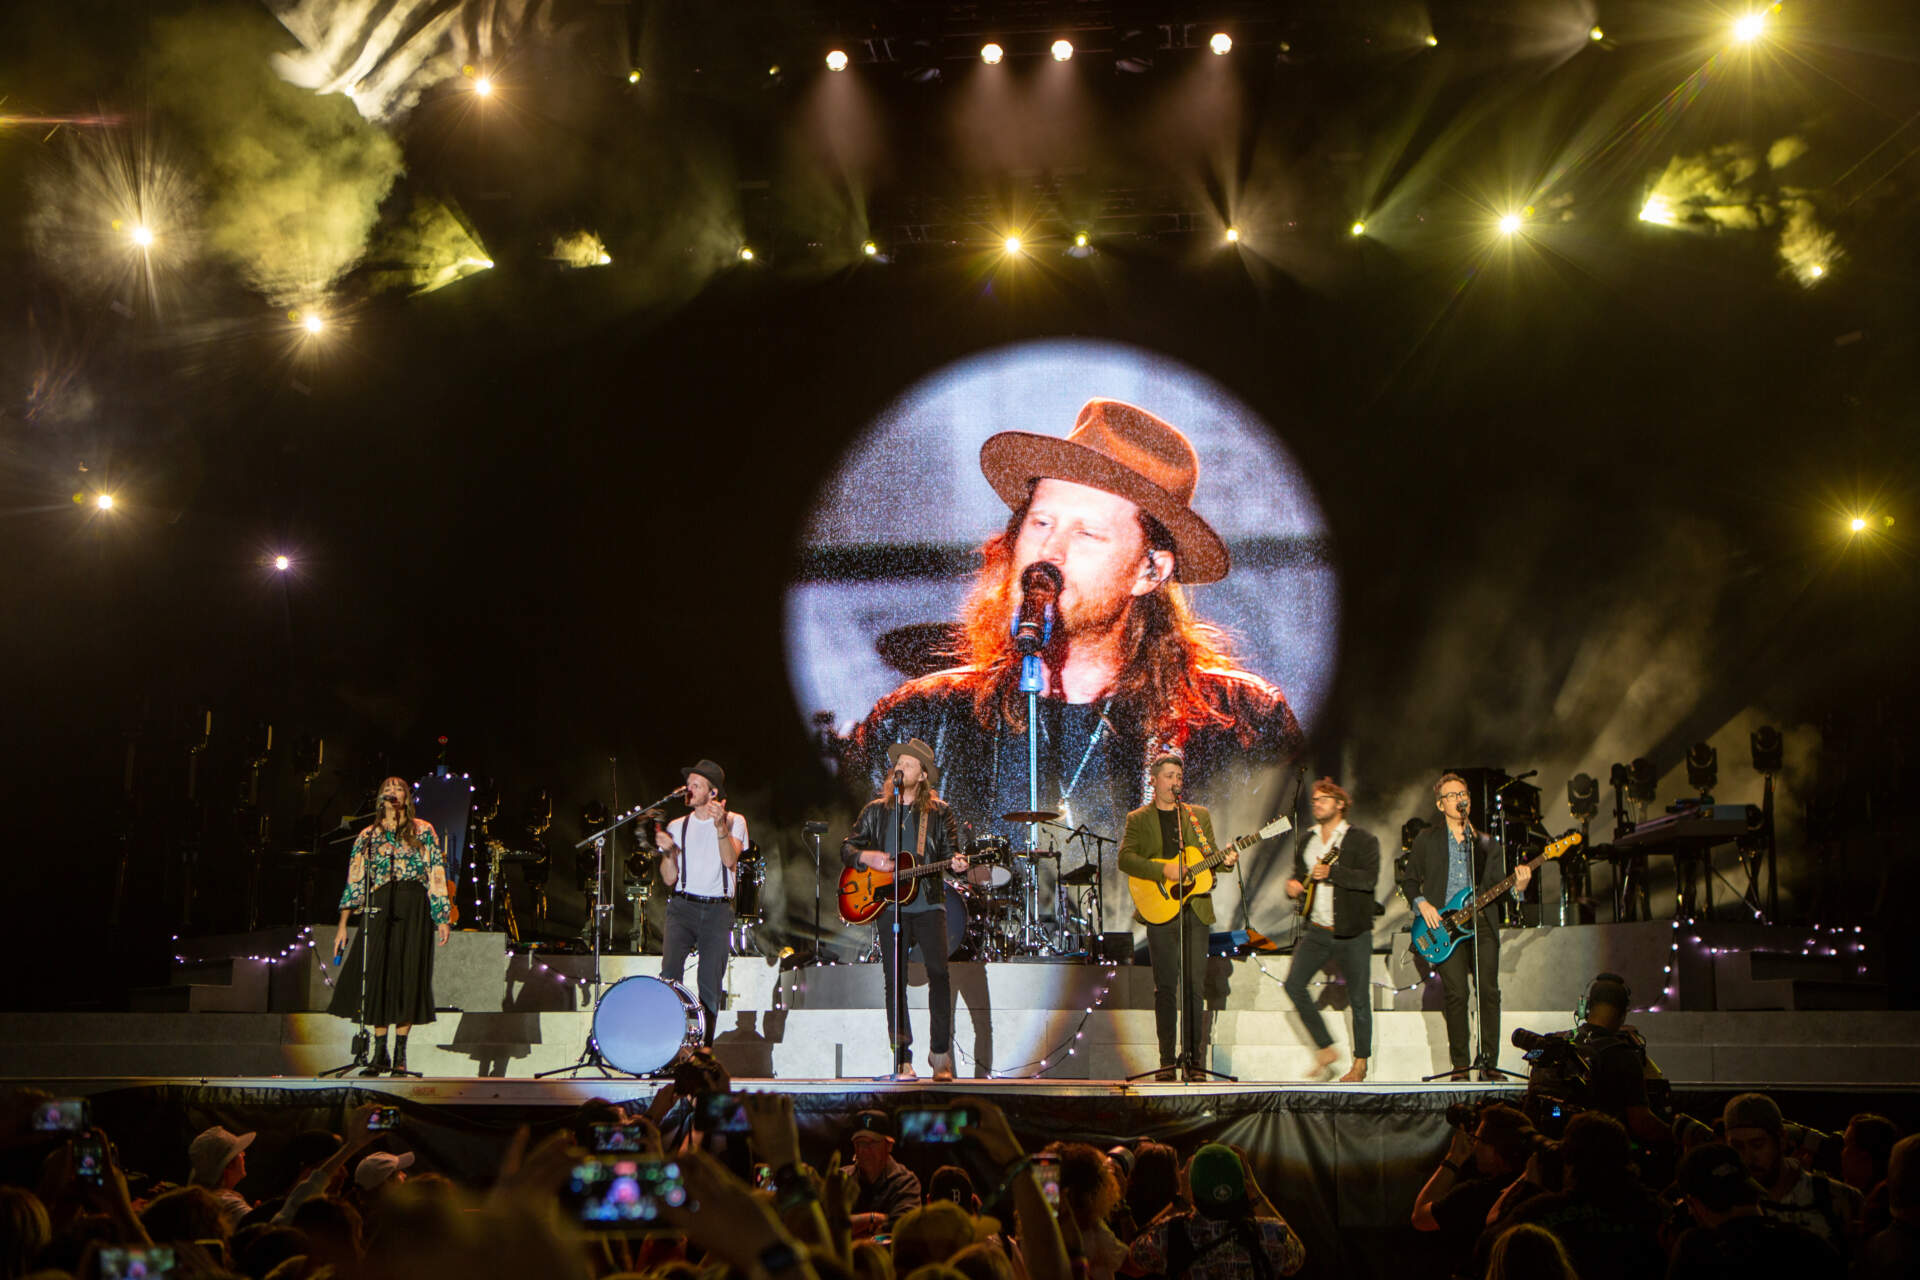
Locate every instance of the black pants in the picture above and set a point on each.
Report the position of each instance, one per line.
(1164, 944)
(1355, 957)
(706, 927)
(1456, 992)
(927, 931)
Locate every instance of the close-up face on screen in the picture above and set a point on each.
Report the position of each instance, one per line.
(1166, 551)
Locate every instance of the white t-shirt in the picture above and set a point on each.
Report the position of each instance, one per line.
(701, 871)
(1315, 853)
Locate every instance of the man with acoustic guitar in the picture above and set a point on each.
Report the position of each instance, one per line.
(1443, 861)
(1153, 848)
(909, 815)
(1336, 868)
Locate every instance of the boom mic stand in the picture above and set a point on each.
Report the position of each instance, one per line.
(590, 1055)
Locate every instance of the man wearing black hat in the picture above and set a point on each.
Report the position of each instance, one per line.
(1735, 1239)
(910, 815)
(884, 1189)
(1128, 671)
(699, 852)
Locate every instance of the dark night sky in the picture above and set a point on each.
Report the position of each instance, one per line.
(516, 501)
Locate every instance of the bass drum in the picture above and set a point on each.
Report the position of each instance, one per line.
(971, 934)
(642, 1024)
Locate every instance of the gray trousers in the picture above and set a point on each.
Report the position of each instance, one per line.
(1355, 957)
(706, 927)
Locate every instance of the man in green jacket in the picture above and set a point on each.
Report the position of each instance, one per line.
(1163, 829)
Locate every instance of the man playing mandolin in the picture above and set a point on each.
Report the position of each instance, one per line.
(909, 815)
(1444, 861)
(1163, 830)
(1336, 867)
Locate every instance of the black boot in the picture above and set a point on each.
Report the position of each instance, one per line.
(399, 1055)
(379, 1063)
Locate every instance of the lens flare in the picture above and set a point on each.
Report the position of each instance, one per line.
(104, 501)
(1749, 27)
(313, 323)
(142, 236)
(1357, 229)
(1012, 244)
(1858, 524)
(483, 85)
(282, 563)
(1509, 224)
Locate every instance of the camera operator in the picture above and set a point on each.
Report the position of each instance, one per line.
(1489, 1147)
(1603, 1066)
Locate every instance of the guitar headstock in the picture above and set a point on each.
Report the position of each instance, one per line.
(1278, 827)
(1560, 846)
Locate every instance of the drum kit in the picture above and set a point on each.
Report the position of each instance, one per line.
(996, 912)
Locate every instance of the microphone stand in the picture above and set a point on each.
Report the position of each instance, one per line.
(1031, 679)
(361, 1039)
(590, 1056)
(821, 952)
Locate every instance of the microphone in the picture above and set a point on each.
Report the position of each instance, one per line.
(1040, 586)
(815, 828)
(1523, 777)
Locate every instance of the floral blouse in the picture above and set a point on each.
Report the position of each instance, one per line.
(393, 860)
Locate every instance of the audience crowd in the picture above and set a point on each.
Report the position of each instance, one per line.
(709, 1183)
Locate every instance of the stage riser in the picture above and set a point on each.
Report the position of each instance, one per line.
(1546, 968)
(815, 1044)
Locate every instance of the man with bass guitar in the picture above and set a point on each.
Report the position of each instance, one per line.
(1444, 861)
(1152, 849)
(909, 816)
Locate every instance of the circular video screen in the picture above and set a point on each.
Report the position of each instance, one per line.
(1053, 563)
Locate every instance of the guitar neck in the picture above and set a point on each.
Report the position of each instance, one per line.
(1490, 895)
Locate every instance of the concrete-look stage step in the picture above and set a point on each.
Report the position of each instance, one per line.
(1735, 1048)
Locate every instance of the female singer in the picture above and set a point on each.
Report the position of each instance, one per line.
(398, 859)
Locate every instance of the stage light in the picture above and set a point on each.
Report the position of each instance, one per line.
(1433, 42)
(142, 236)
(604, 258)
(282, 563)
(1233, 235)
(1659, 211)
(1643, 781)
(1858, 524)
(1012, 244)
(1079, 239)
(1749, 27)
(836, 61)
(1221, 44)
(746, 253)
(1583, 796)
(483, 85)
(313, 323)
(1357, 229)
(1703, 768)
(1768, 748)
(1596, 35)
(104, 501)
(1815, 271)
(1509, 224)
(633, 76)
(870, 248)
(1062, 50)
(991, 54)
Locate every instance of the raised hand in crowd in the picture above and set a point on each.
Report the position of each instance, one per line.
(1042, 1248)
(734, 1223)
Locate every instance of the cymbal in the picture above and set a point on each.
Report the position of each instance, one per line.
(1037, 815)
(1080, 875)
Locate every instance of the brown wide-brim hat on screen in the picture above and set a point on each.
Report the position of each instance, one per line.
(919, 751)
(1125, 451)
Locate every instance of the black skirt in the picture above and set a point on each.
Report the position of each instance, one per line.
(400, 978)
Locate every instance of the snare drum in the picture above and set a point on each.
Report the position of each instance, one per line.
(1000, 874)
(642, 1024)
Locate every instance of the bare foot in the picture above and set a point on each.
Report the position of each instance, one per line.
(1356, 1073)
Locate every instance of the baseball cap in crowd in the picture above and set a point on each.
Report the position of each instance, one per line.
(209, 1154)
(873, 1121)
(380, 1166)
(1715, 1175)
(1218, 1182)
